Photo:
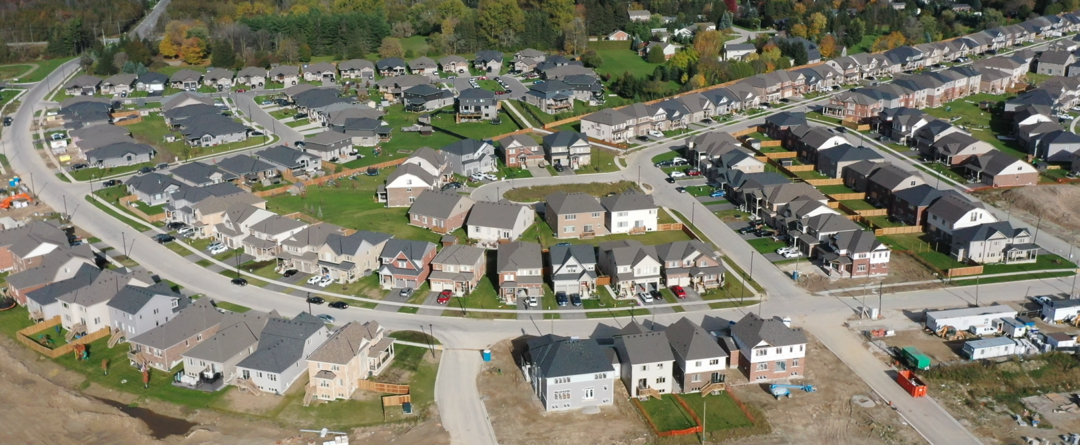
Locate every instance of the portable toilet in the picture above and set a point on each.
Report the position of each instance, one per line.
(487, 355)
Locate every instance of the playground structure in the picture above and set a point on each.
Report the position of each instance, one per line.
(782, 390)
(82, 352)
(7, 202)
(46, 341)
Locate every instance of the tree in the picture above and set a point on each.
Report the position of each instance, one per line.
(708, 44)
(304, 53)
(192, 50)
(355, 50)
(222, 54)
(575, 36)
(173, 40)
(827, 46)
(732, 5)
(560, 11)
(346, 6)
(592, 59)
(798, 30)
(5, 52)
(817, 25)
(390, 47)
(726, 21)
(655, 55)
(120, 59)
(288, 51)
(499, 21)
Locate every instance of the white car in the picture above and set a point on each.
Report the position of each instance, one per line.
(644, 296)
(679, 160)
(791, 254)
(656, 134)
(186, 231)
(532, 301)
(314, 279)
(325, 281)
(220, 248)
(677, 175)
(213, 245)
(784, 250)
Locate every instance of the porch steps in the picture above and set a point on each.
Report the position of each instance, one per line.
(713, 388)
(309, 394)
(249, 386)
(115, 338)
(648, 392)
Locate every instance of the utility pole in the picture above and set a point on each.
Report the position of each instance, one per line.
(123, 239)
(977, 277)
(309, 303)
(1033, 241)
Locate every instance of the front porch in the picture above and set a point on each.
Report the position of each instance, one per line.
(382, 354)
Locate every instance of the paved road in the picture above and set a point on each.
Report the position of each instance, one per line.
(146, 26)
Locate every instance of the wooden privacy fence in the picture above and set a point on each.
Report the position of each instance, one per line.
(772, 143)
(388, 388)
(603, 281)
(396, 400)
(126, 203)
(872, 212)
(799, 168)
(964, 271)
(857, 126)
(847, 196)
(324, 179)
(26, 337)
(668, 227)
(833, 204)
(781, 155)
(825, 182)
(744, 132)
(898, 230)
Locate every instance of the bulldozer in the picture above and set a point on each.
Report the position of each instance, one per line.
(950, 333)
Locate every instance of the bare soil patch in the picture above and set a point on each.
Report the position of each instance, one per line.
(1058, 205)
(902, 269)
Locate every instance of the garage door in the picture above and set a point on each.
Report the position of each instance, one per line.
(568, 288)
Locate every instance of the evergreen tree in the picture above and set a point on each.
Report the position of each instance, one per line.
(222, 55)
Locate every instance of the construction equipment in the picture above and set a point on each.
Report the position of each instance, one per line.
(911, 383)
(880, 333)
(781, 390)
(914, 358)
(950, 333)
(6, 203)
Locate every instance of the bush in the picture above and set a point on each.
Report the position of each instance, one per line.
(592, 59)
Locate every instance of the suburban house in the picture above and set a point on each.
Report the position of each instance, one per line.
(208, 130)
(81, 301)
(887, 179)
(567, 373)
(469, 156)
(521, 150)
(520, 267)
(488, 61)
(198, 174)
(153, 188)
(647, 363)
(568, 148)
(998, 169)
(425, 97)
(235, 225)
(135, 310)
(953, 212)
(265, 237)
(454, 64)
(1054, 63)
(995, 242)
(458, 268)
(440, 212)
(855, 254)
(23, 248)
(364, 131)
(618, 35)
(551, 97)
(354, 352)
(953, 149)
(639, 15)
(832, 161)
(1057, 146)
(219, 78)
(248, 168)
(120, 154)
(319, 71)
(280, 358)
(185, 79)
(477, 104)
(405, 184)
(287, 75)
(405, 263)
(84, 85)
(151, 82)
(575, 215)
(690, 264)
(435, 162)
(346, 259)
(290, 159)
(769, 349)
(57, 265)
(330, 146)
(633, 267)
(209, 365)
(390, 67)
(357, 69)
(699, 359)
(163, 347)
(423, 66)
(909, 205)
(122, 84)
(492, 222)
(573, 269)
(300, 251)
(630, 212)
(252, 76)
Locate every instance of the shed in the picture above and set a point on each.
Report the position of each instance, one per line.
(964, 319)
(990, 348)
(1054, 310)
(1061, 340)
(1011, 327)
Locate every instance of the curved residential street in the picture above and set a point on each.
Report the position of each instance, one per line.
(461, 408)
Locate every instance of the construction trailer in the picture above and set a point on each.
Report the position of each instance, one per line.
(1061, 340)
(1057, 310)
(964, 319)
(914, 358)
(991, 347)
(1011, 327)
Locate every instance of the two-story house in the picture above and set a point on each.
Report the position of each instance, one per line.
(769, 349)
(81, 301)
(575, 215)
(281, 356)
(57, 265)
(210, 364)
(568, 148)
(163, 347)
(264, 237)
(691, 264)
(699, 359)
(440, 212)
(520, 267)
(995, 242)
(633, 267)
(346, 259)
(521, 150)
(457, 268)
(953, 212)
(856, 254)
(477, 104)
(357, 69)
(135, 310)
(469, 156)
(630, 212)
(405, 263)
(567, 373)
(354, 352)
(491, 222)
(405, 184)
(647, 363)
(573, 269)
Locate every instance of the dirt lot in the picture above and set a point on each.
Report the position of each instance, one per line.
(1057, 204)
(512, 406)
(52, 405)
(841, 411)
(937, 349)
(902, 269)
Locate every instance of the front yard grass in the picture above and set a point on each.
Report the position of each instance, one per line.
(766, 245)
(604, 300)
(539, 192)
(1045, 261)
(666, 156)
(483, 297)
(298, 123)
(88, 174)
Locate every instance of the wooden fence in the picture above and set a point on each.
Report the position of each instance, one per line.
(123, 118)
(833, 204)
(324, 179)
(799, 168)
(669, 227)
(396, 400)
(306, 218)
(692, 430)
(825, 182)
(898, 230)
(388, 388)
(781, 155)
(964, 271)
(772, 143)
(856, 126)
(26, 337)
(868, 212)
(847, 196)
(603, 281)
(126, 203)
(744, 132)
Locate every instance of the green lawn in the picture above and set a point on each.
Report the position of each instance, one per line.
(858, 204)
(766, 245)
(298, 123)
(540, 232)
(883, 221)
(811, 175)
(152, 130)
(720, 411)
(124, 218)
(834, 189)
(700, 190)
(604, 300)
(667, 414)
(401, 143)
(88, 174)
(8, 72)
(475, 130)
(619, 61)
(539, 192)
(232, 307)
(666, 156)
(1047, 261)
(982, 124)
(45, 66)
(8, 94)
(483, 297)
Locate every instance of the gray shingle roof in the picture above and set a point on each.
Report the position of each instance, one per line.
(752, 330)
(848, 153)
(519, 255)
(345, 343)
(628, 201)
(153, 183)
(211, 124)
(119, 150)
(564, 139)
(351, 244)
(413, 250)
(692, 342)
(199, 173)
(239, 331)
(583, 253)
(952, 207)
(562, 203)
(197, 317)
(131, 299)
(459, 254)
(920, 195)
(786, 119)
(500, 215)
(649, 347)
(891, 176)
(355, 64)
(244, 165)
(282, 343)
(560, 357)
(440, 204)
(282, 155)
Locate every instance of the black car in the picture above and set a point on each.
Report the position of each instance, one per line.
(670, 180)
(765, 233)
(656, 295)
(77, 167)
(452, 186)
(299, 116)
(339, 305)
(315, 300)
(299, 144)
(257, 133)
(575, 299)
(7, 121)
(663, 164)
(643, 138)
(239, 282)
(558, 168)
(163, 238)
(145, 170)
(560, 299)
(111, 183)
(175, 225)
(289, 273)
(162, 166)
(747, 229)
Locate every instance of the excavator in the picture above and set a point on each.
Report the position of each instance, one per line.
(6, 203)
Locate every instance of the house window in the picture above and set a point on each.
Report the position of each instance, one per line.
(568, 229)
(401, 264)
(779, 350)
(659, 366)
(697, 364)
(588, 394)
(762, 366)
(760, 352)
(644, 367)
(781, 366)
(696, 378)
(661, 380)
(600, 376)
(794, 363)
(562, 395)
(569, 217)
(562, 380)
(714, 361)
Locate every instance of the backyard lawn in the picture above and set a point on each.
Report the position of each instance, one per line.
(982, 124)
(540, 232)
(667, 414)
(858, 204)
(539, 192)
(1045, 261)
(619, 61)
(834, 189)
(402, 144)
(722, 412)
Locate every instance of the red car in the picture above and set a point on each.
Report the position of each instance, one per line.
(241, 90)
(678, 291)
(444, 297)
(483, 77)
(693, 172)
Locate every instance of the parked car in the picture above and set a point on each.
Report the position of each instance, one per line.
(644, 296)
(706, 121)
(325, 281)
(764, 233)
(452, 186)
(693, 172)
(58, 136)
(717, 194)
(532, 301)
(558, 168)
(7, 121)
(111, 183)
(406, 292)
(679, 292)
(175, 225)
(677, 175)
(314, 279)
(656, 134)
(77, 167)
(575, 299)
(257, 133)
(680, 189)
(239, 282)
(791, 254)
(146, 170)
(746, 230)
(561, 299)
(784, 250)
(680, 161)
(444, 296)
(656, 295)
(643, 138)
(316, 300)
(220, 248)
(186, 231)
(242, 90)
(266, 102)
(670, 180)
(325, 318)
(164, 238)
(289, 273)
(339, 305)
(663, 164)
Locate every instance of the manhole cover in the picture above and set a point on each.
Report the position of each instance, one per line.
(862, 401)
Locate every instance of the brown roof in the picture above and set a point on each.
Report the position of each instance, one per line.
(345, 343)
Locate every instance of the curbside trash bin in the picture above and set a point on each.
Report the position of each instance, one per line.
(487, 355)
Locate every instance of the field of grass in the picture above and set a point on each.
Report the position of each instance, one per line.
(1006, 382)
(983, 125)
(232, 307)
(539, 192)
(540, 232)
(619, 61)
(722, 413)
(44, 67)
(415, 337)
(667, 414)
(401, 143)
(475, 130)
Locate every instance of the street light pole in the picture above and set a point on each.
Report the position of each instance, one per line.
(309, 302)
